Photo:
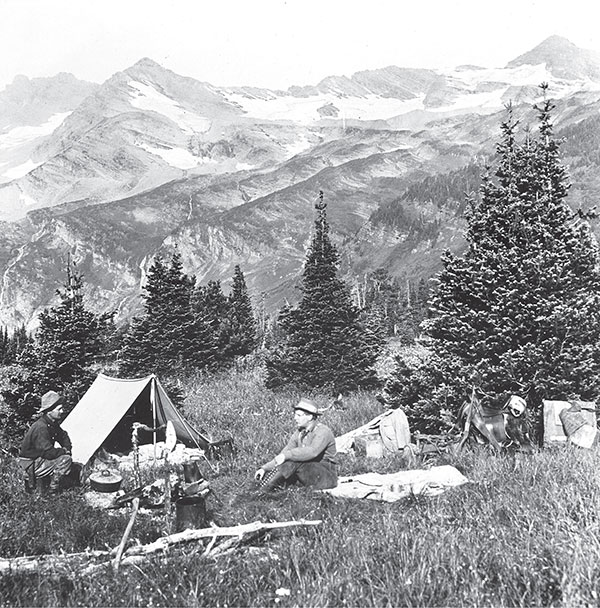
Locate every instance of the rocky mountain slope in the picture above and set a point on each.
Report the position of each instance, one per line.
(151, 160)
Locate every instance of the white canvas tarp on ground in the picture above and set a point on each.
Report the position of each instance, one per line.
(395, 486)
(108, 400)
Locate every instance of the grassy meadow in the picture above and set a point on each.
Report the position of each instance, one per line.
(524, 532)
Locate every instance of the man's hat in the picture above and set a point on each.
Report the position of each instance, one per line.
(50, 400)
(307, 406)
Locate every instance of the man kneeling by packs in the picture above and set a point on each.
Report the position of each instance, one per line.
(38, 457)
(309, 456)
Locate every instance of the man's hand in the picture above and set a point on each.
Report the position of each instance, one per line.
(259, 474)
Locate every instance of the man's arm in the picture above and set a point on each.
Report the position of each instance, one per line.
(64, 440)
(321, 437)
(279, 459)
(40, 444)
(294, 442)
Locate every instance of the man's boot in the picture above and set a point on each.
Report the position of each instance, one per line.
(271, 480)
(30, 481)
(54, 485)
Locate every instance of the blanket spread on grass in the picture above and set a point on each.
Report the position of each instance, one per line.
(394, 486)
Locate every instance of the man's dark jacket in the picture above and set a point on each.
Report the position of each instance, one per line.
(40, 439)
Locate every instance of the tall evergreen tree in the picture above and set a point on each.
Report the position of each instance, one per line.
(243, 338)
(162, 340)
(212, 308)
(69, 341)
(12, 345)
(4, 346)
(519, 312)
(325, 344)
(206, 303)
(17, 343)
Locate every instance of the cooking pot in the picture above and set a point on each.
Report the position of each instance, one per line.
(105, 481)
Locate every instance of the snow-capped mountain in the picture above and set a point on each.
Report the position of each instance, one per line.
(150, 159)
(563, 60)
(30, 111)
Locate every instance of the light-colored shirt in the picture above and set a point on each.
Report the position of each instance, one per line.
(317, 443)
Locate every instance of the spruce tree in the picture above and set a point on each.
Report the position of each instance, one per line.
(212, 309)
(162, 340)
(4, 346)
(519, 312)
(69, 342)
(324, 344)
(16, 343)
(243, 338)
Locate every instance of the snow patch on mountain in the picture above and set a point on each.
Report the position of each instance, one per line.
(481, 88)
(520, 76)
(175, 157)
(22, 135)
(298, 146)
(180, 158)
(146, 97)
(305, 110)
(27, 200)
(490, 101)
(16, 147)
(18, 171)
(485, 88)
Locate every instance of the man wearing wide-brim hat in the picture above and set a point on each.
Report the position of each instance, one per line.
(309, 456)
(39, 457)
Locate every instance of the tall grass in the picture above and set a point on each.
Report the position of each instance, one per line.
(523, 532)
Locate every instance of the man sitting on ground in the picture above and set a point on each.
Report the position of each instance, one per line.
(309, 456)
(39, 457)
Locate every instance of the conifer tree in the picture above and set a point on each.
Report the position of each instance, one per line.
(324, 345)
(4, 346)
(519, 312)
(16, 343)
(212, 308)
(69, 341)
(241, 317)
(205, 329)
(161, 341)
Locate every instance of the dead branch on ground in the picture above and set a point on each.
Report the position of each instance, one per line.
(88, 562)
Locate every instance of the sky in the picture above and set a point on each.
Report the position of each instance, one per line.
(278, 43)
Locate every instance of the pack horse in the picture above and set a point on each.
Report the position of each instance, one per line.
(503, 428)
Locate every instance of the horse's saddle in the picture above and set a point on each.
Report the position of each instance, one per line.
(494, 422)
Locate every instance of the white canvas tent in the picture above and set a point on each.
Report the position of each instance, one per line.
(111, 405)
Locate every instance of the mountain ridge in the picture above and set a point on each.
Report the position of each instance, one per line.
(151, 161)
(564, 59)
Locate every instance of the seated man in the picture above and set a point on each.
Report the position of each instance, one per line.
(309, 456)
(39, 457)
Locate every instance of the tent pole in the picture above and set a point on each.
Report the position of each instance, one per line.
(153, 399)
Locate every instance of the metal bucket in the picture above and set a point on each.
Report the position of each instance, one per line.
(190, 512)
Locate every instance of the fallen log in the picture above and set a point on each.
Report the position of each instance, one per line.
(87, 562)
(49, 563)
(164, 543)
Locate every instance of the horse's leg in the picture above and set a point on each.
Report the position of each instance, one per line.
(465, 433)
(468, 413)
